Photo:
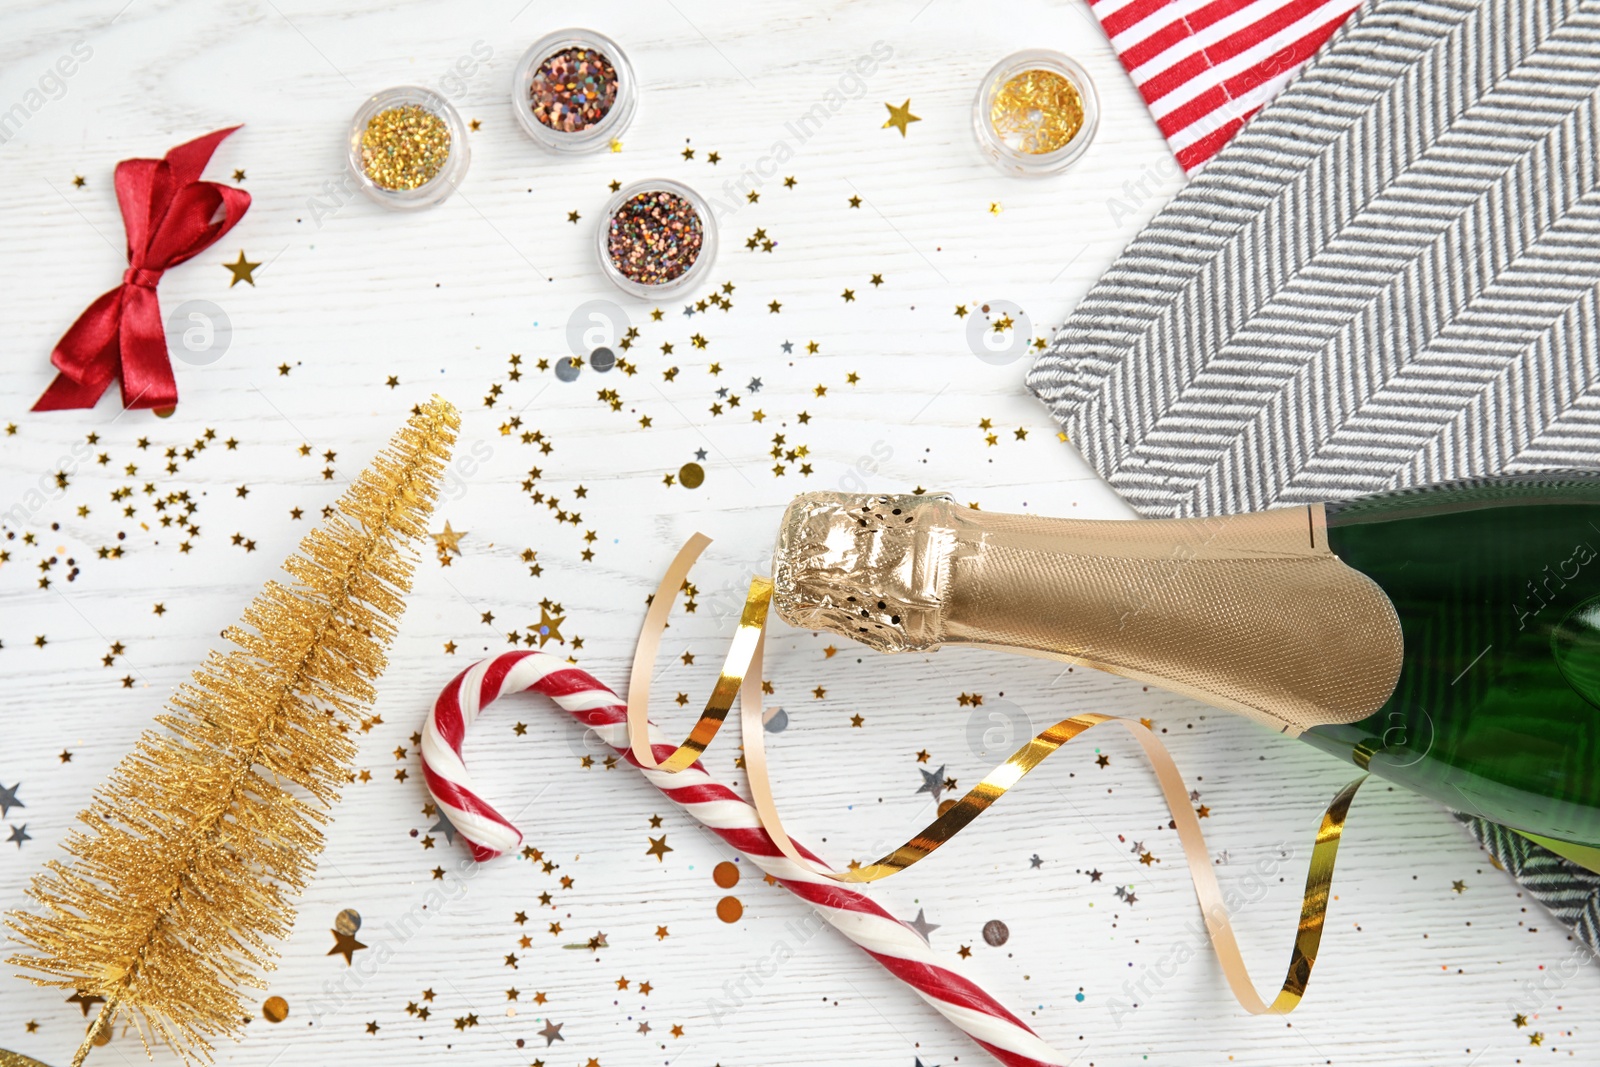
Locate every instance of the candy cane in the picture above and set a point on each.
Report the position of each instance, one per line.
(883, 937)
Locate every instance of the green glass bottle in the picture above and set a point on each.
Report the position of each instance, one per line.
(1497, 587)
(1447, 637)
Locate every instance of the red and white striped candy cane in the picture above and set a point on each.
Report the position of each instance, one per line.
(883, 937)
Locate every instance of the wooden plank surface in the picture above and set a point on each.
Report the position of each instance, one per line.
(349, 295)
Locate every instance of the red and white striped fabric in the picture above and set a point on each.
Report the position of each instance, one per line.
(886, 939)
(1205, 66)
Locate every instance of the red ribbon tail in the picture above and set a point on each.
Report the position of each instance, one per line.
(147, 380)
(86, 356)
(64, 393)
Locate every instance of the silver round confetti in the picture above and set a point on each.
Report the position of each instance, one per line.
(566, 369)
(996, 932)
(347, 922)
(602, 359)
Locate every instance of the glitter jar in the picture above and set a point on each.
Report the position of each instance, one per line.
(574, 91)
(1035, 113)
(655, 238)
(408, 148)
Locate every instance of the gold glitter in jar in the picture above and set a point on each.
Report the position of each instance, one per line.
(404, 147)
(1037, 111)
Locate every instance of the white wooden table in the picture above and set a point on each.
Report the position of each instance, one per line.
(349, 295)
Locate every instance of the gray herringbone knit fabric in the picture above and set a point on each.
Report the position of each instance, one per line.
(1390, 277)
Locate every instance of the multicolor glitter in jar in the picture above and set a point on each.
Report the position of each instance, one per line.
(407, 148)
(1035, 113)
(656, 237)
(574, 91)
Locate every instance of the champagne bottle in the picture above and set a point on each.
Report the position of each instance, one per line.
(1447, 637)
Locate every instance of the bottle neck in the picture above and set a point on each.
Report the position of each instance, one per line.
(1251, 613)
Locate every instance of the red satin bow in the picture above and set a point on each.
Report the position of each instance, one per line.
(170, 215)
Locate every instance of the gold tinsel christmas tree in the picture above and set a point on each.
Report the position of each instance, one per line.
(181, 884)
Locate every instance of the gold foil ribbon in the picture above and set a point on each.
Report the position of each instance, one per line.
(743, 661)
(17, 1059)
(741, 676)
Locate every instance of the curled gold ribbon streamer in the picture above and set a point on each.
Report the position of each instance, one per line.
(741, 677)
(743, 661)
(17, 1059)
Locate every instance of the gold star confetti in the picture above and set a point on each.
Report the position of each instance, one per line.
(900, 118)
(549, 628)
(345, 945)
(85, 1001)
(448, 540)
(242, 271)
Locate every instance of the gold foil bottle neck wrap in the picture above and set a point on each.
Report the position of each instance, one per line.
(874, 568)
(1251, 613)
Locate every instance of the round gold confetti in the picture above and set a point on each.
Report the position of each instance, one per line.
(404, 147)
(691, 475)
(729, 910)
(348, 921)
(275, 1010)
(1037, 111)
(946, 805)
(102, 1036)
(726, 875)
(163, 413)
